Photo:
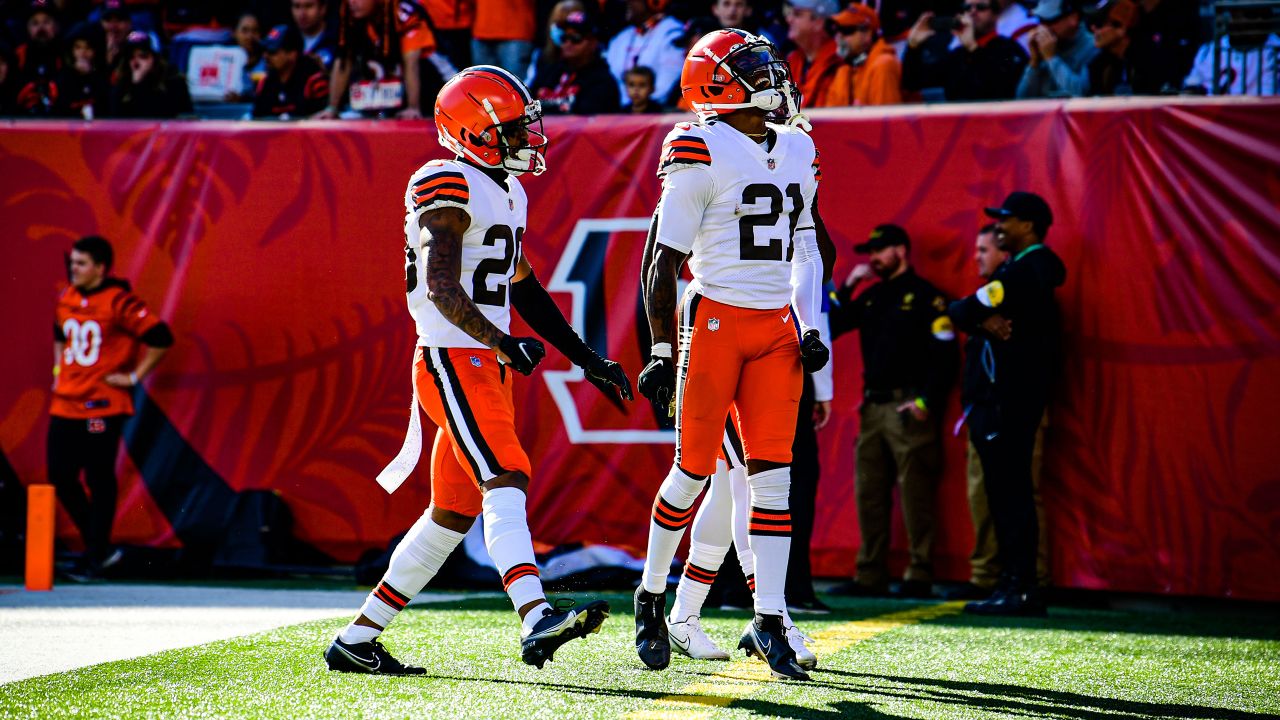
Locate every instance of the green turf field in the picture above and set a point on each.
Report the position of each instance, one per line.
(876, 660)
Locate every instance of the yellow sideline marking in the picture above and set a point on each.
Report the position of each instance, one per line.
(744, 677)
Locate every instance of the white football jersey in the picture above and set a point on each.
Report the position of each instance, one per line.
(736, 207)
(490, 246)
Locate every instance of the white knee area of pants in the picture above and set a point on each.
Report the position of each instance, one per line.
(506, 529)
(680, 489)
(771, 489)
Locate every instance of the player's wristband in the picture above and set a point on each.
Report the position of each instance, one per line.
(920, 403)
(133, 378)
(661, 350)
(57, 370)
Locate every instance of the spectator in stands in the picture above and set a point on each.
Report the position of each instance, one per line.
(8, 81)
(1246, 59)
(814, 61)
(1061, 51)
(986, 66)
(580, 83)
(650, 39)
(1111, 72)
(296, 84)
(116, 26)
(83, 87)
(639, 82)
(39, 60)
(387, 58)
(318, 39)
(451, 22)
(503, 34)
(870, 72)
(549, 53)
(1164, 45)
(248, 36)
(147, 87)
(733, 14)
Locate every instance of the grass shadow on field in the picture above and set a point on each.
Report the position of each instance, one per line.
(1019, 700)
(761, 708)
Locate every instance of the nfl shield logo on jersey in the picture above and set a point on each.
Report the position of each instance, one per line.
(511, 204)
(772, 163)
(475, 361)
(713, 324)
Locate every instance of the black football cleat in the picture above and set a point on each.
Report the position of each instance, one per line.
(366, 657)
(1010, 602)
(765, 638)
(653, 645)
(558, 626)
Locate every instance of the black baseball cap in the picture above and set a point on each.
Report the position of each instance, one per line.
(114, 8)
(884, 236)
(1024, 206)
(283, 37)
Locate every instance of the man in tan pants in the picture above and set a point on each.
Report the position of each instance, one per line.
(909, 358)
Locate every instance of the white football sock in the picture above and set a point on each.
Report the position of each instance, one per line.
(506, 537)
(533, 616)
(672, 512)
(416, 559)
(769, 532)
(709, 540)
(741, 507)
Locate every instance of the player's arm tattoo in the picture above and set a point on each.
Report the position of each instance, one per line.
(660, 292)
(443, 247)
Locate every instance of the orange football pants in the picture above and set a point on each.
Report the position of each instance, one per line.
(740, 360)
(467, 394)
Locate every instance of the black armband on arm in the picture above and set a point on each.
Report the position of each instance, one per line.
(159, 336)
(535, 305)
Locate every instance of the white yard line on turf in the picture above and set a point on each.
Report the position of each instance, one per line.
(75, 626)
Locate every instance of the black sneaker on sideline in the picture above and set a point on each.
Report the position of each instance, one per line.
(366, 657)
(1010, 602)
(853, 588)
(653, 645)
(968, 591)
(765, 639)
(912, 590)
(560, 624)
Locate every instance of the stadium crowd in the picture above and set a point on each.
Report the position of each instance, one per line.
(382, 58)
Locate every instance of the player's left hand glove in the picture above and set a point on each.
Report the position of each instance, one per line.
(658, 383)
(609, 378)
(813, 354)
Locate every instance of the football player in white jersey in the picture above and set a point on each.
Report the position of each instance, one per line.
(464, 223)
(737, 202)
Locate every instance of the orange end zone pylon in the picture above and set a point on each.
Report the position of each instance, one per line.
(40, 514)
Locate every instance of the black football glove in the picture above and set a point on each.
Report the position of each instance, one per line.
(658, 383)
(525, 352)
(609, 377)
(813, 354)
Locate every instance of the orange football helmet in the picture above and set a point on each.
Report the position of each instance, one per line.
(732, 69)
(486, 114)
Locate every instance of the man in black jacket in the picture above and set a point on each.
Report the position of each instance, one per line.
(295, 84)
(909, 358)
(985, 66)
(1018, 313)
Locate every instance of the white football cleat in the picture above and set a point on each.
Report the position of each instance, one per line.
(688, 638)
(798, 640)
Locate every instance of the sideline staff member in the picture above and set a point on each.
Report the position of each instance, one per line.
(97, 328)
(1018, 312)
(909, 359)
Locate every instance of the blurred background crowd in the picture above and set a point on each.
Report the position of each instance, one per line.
(293, 59)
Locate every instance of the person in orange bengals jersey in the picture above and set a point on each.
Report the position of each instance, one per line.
(464, 226)
(98, 325)
(739, 203)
